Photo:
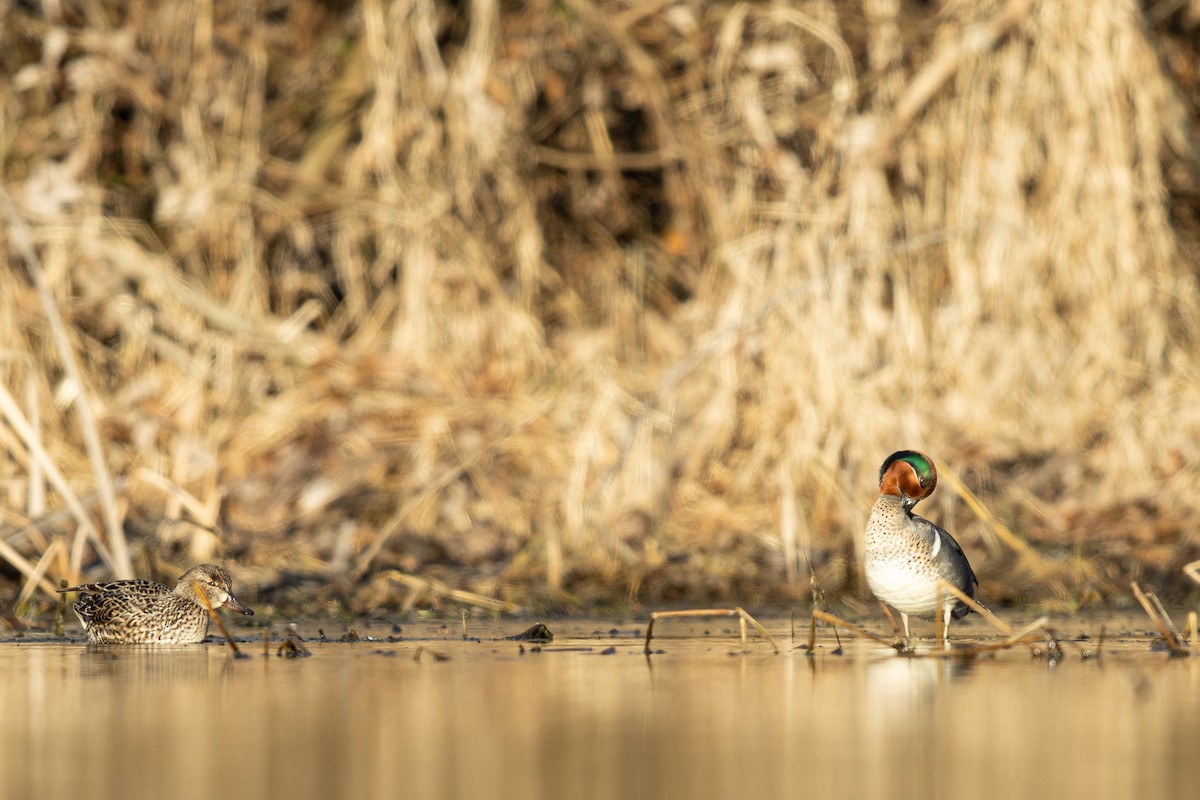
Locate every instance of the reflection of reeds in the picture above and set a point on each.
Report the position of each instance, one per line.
(615, 305)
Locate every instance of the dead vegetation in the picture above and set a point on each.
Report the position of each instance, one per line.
(564, 304)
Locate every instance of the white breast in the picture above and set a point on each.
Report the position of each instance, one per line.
(896, 583)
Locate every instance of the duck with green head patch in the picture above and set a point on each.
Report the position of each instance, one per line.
(907, 554)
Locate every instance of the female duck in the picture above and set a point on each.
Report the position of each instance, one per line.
(145, 612)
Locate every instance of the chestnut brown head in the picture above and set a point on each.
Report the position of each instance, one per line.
(909, 475)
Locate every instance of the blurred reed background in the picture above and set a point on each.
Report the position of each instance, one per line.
(581, 305)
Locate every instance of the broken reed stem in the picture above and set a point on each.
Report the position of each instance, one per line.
(1165, 616)
(739, 612)
(975, 606)
(1192, 570)
(434, 590)
(1173, 642)
(1192, 638)
(1013, 638)
(891, 618)
(1021, 635)
(9, 554)
(998, 528)
(858, 630)
(224, 632)
(35, 579)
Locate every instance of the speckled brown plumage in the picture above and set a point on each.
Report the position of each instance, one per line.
(145, 612)
(907, 554)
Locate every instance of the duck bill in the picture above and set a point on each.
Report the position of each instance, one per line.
(237, 606)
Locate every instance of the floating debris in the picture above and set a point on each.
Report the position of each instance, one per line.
(292, 647)
(534, 633)
(1172, 639)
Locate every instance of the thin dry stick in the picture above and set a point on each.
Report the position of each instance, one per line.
(120, 564)
(201, 512)
(709, 612)
(1165, 616)
(891, 618)
(999, 529)
(841, 623)
(1194, 640)
(36, 579)
(435, 589)
(1192, 570)
(1013, 638)
(1019, 636)
(9, 554)
(224, 632)
(1173, 643)
(975, 606)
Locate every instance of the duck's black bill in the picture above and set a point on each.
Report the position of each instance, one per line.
(236, 605)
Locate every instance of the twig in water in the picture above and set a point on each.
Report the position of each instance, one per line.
(738, 612)
(224, 632)
(1174, 641)
(1014, 638)
(838, 622)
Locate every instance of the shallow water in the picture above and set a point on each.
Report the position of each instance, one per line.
(589, 716)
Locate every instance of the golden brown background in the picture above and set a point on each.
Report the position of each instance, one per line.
(586, 305)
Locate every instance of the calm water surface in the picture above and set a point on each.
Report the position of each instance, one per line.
(589, 716)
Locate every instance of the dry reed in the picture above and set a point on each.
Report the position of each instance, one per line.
(594, 303)
(744, 619)
(941, 649)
